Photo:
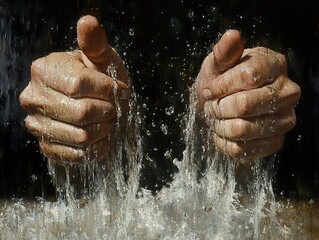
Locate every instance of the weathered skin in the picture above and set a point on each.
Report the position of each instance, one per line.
(70, 98)
(249, 95)
(71, 102)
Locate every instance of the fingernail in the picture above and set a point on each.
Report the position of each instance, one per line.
(125, 94)
(207, 94)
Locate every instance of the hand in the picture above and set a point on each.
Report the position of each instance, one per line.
(246, 98)
(71, 97)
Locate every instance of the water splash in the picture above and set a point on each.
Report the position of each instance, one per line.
(206, 200)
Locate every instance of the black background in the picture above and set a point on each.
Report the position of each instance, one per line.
(163, 43)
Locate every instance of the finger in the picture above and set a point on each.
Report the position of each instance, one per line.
(98, 151)
(253, 149)
(279, 96)
(254, 128)
(227, 52)
(51, 131)
(26, 96)
(258, 67)
(92, 39)
(60, 107)
(97, 54)
(64, 73)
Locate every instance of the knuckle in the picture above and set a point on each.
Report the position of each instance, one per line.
(83, 109)
(282, 63)
(23, 98)
(75, 85)
(82, 138)
(249, 74)
(291, 91)
(28, 122)
(36, 67)
(27, 99)
(242, 105)
(235, 150)
(239, 128)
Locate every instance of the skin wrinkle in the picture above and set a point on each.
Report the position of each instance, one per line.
(252, 149)
(76, 111)
(259, 69)
(58, 132)
(85, 96)
(252, 103)
(260, 103)
(248, 129)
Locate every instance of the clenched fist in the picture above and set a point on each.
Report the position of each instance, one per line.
(246, 98)
(74, 99)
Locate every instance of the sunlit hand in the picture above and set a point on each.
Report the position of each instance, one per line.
(246, 98)
(71, 97)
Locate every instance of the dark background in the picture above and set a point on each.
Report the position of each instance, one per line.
(163, 43)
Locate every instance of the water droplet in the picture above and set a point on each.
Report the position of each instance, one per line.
(34, 177)
(131, 32)
(164, 128)
(169, 111)
(168, 153)
(111, 71)
(190, 14)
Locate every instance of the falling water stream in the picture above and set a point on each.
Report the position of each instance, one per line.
(212, 196)
(206, 200)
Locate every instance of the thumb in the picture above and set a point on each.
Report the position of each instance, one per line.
(225, 55)
(93, 42)
(227, 52)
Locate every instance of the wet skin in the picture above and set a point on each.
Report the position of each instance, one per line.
(246, 98)
(70, 98)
